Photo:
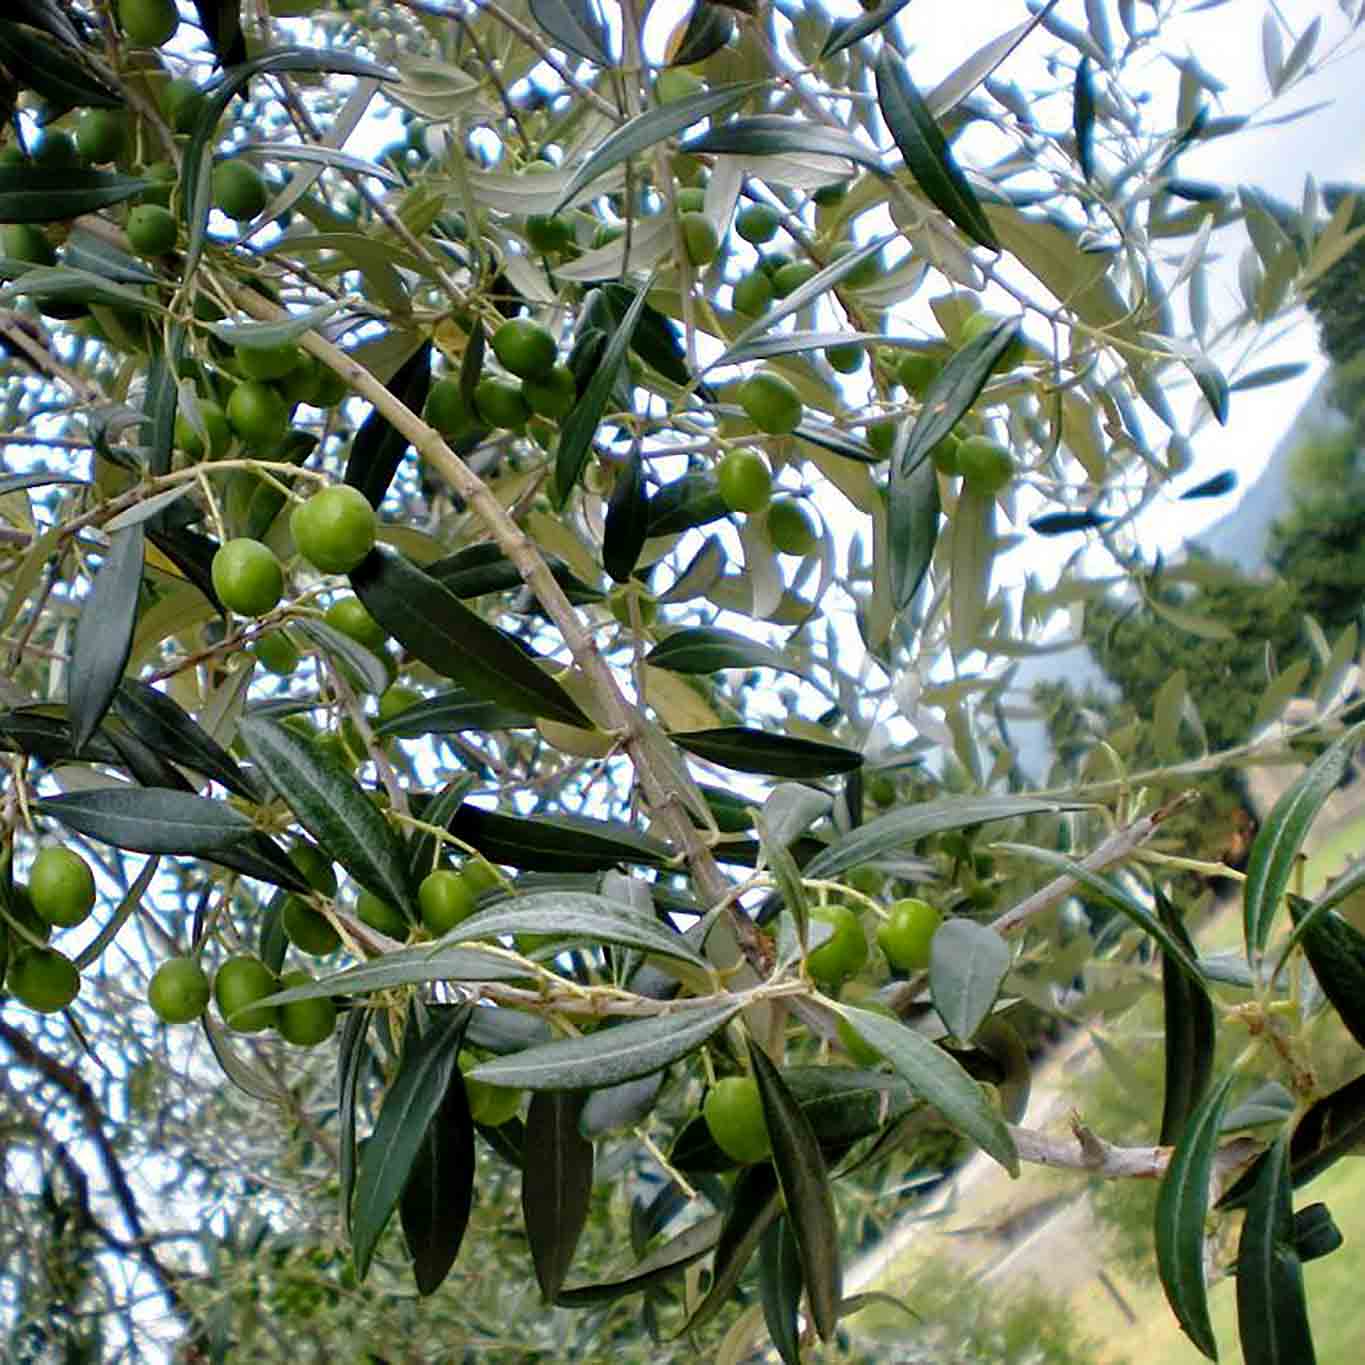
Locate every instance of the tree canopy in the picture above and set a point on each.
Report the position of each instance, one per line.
(511, 519)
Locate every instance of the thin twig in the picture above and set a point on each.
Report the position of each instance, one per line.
(74, 1085)
(1118, 846)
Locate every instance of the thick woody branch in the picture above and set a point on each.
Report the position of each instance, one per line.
(1085, 1151)
(664, 800)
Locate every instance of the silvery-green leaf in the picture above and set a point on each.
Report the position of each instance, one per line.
(610, 1055)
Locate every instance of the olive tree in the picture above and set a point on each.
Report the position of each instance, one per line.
(507, 643)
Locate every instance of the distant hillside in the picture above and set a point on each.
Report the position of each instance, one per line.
(1241, 536)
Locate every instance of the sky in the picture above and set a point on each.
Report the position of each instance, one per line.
(1227, 41)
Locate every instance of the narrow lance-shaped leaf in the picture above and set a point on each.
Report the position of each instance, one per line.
(148, 768)
(1223, 482)
(790, 810)
(753, 1206)
(963, 79)
(78, 286)
(801, 297)
(150, 820)
(786, 876)
(1083, 118)
(44, 194)
(160, 401)
(272, 943)
(898, 829)
(47, 735)
(577, 430)
(104, 634)
(1212, 384)
(1270, 374)
(708, 30)
(556, 1186)
(794, 343)
(437, 812)
(1272, 1312)
(221, 21)
(1279, 840)
(448, 713)
(548, 843)
(778, 135)
(39, 478)
(484, 568)
(1060, 523)
(434, 1208)
(1335, 893)
(779, 1288)
(610, 1055)
(844, 35)
(652, 127)
(92, 254)
(265, 336)
(912, 526)
(806, 1192)
(939, 1080)
(378, 447)
(1333, 1127)
(748, 750)
(657, 339)
(162, 725)
(663, 1263)
(619, 1107)
(123, 912)
(926, 152)
(471, 365)
(413, 1100)
(260, 856)
(951, 395)
(693, 500)
(576, 25)
(627, 521)
(574, 914)
(458, 643)
(706, 649)
(1181, 1208)
(413, 966)
(1191, 1031)
(331, 806)
(970, 559)
(52, 71)
(1336, 952)
(351, 1055)
(362, 667)
(193, 555)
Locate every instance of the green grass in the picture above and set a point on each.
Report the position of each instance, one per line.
(1154, 1338)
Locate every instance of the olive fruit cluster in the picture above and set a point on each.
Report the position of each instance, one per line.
(904, 936)
(60, 894)
(243, 983)
(745, 485)
(534, 384)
